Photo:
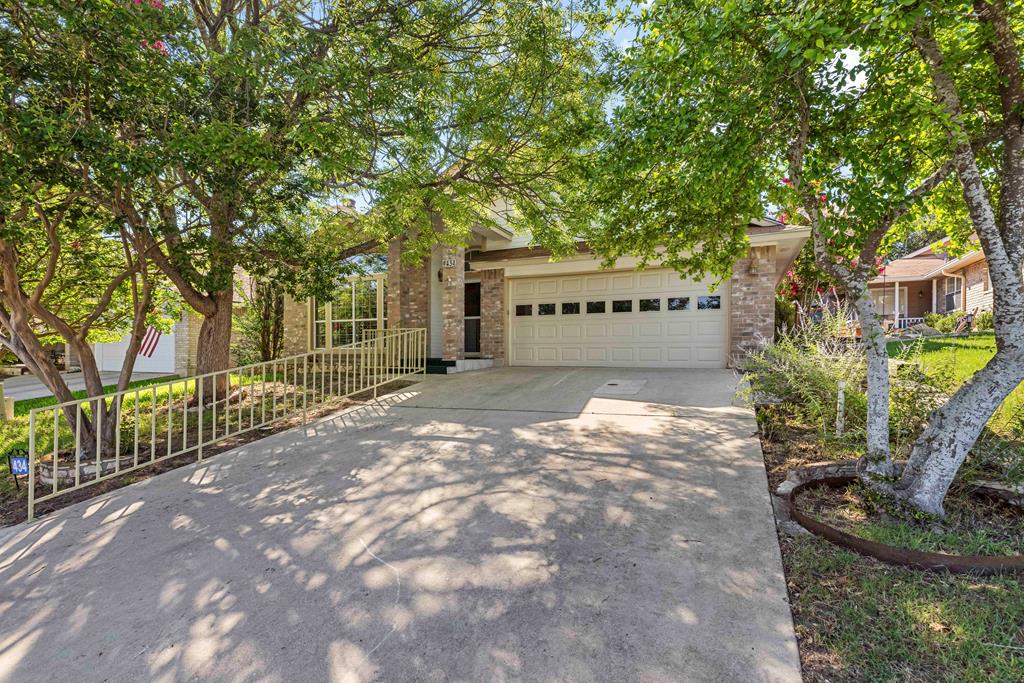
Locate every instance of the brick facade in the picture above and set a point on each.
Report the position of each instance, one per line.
(492, 314)
(453, 302)
(752, 303)
(408, 298)
(296, 326)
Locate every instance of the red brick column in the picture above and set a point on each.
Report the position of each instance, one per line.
(453, 302)
(752, 303)
(492, 314)
(408, 290)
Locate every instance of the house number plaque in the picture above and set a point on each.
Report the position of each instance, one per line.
(448, 262)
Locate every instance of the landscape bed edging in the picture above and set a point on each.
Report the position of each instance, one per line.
(842, 473)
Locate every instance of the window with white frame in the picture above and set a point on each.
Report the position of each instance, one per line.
(357, 305)
(951, 287)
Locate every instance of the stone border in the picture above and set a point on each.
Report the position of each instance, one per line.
(842, 473)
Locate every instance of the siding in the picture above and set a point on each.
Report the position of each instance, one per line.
(186, 343)
(979, 294)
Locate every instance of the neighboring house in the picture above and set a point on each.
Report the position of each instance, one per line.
(173, 352)
(930, 281)
(499, 301)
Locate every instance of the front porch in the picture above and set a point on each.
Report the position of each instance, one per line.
(904, 304)
(463, 311)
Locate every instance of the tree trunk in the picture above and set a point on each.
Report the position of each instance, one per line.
(878, 459)
(952, 430)
(214, 349)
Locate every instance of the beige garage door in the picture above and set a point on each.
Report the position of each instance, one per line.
(627, 319)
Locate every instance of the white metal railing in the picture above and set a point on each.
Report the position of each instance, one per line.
(903, 323)
(83, 442)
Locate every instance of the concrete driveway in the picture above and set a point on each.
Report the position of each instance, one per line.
(513, 524)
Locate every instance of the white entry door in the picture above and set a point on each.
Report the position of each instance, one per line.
(620, 319)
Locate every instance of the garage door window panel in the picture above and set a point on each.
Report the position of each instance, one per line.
(622, 306)
(679, 303)
(650, 305)
(524, 310)
(595, 307)
(571, 308)
(709, 303)
(545, 309)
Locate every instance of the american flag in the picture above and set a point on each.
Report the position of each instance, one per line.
(149, 342)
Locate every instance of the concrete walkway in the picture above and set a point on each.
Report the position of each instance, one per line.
(27, 386)
(514, 524)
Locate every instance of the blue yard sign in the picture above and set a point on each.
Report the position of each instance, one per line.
(19, 465)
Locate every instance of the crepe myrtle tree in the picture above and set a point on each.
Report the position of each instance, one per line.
(224, 115)
(71, 275)
(971, 54)
(732, 110)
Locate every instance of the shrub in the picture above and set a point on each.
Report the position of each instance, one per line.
(803, 368)
(984, 321)
(944, 323)
(259, 326)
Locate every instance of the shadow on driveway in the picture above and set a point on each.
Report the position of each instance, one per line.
(432, 536)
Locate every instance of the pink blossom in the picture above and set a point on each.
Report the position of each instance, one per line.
(159, 45)
(855, 262)
(839, 259)
(144, 43)
(823, 199)
(881, 271)
(137, 2)
(156, 4)
(787, 181)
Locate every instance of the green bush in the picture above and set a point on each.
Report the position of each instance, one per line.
(984, 321)
(803, 368)
(944, 323)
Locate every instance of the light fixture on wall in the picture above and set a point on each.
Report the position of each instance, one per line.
(440, 275)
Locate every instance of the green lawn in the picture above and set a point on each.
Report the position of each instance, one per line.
(860, 620)
(953, 360)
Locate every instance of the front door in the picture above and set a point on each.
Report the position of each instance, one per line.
(472, 317)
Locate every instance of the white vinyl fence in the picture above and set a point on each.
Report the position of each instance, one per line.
(84, 442)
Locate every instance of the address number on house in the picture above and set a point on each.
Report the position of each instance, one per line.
(448, 262)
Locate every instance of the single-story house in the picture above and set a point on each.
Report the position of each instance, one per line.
(499, 301)
(929, 280)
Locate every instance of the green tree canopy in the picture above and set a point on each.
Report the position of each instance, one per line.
(211, 123)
